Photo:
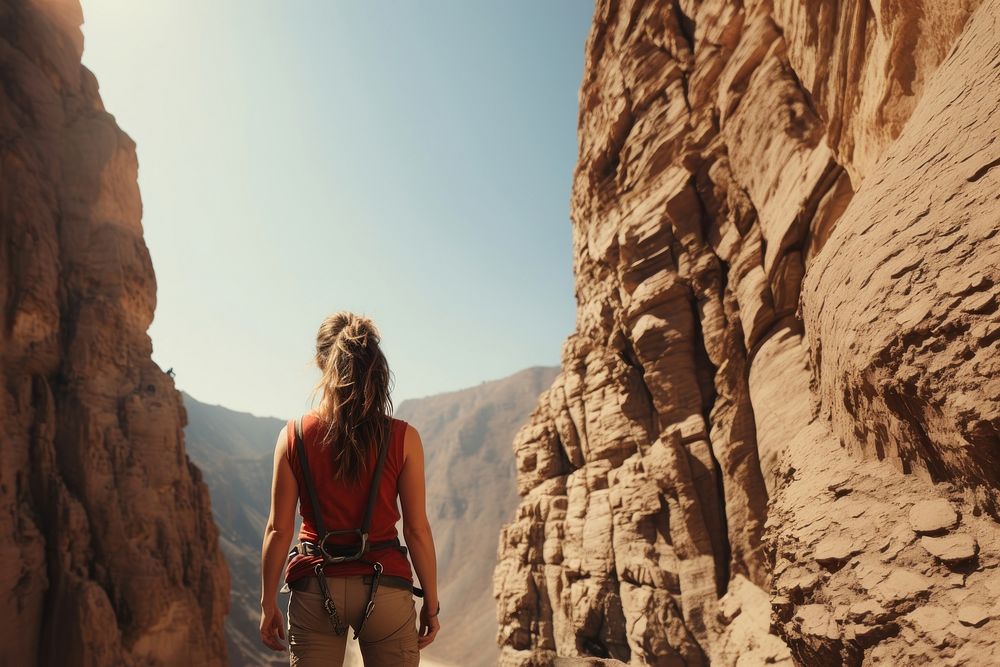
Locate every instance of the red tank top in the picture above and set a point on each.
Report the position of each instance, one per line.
(343, 503)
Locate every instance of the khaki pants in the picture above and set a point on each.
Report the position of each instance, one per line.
(389, 637)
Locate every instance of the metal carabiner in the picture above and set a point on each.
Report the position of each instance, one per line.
(328, 604)
(343, 559)
(370, 607)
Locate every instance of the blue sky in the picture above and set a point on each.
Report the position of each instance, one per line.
(407, 160)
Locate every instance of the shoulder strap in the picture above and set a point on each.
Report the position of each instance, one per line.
(307, 476)
(373, 492)
(311, 488)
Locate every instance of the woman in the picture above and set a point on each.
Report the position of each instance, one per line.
(341, 442)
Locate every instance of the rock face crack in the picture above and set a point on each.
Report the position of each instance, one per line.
(786, 342)
(983, 170)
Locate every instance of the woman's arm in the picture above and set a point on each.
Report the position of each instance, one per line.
(278, 537)
(417, 532)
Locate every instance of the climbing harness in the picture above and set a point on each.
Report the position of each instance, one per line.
(332, 554)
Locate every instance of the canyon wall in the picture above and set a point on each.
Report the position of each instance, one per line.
(110, 554)
(775, 437)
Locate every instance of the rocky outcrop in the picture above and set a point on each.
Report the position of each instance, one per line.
(110, 556)
(776, 433)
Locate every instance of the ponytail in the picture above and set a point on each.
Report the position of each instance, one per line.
(355, 406)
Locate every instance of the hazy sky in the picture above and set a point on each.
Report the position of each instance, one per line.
(406, 160)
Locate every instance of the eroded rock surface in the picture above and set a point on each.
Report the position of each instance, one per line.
(109, 556)
(776, 433)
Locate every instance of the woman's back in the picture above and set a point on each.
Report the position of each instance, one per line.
(341, 442)
(344, 502)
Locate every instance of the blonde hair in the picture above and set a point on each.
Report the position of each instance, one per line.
(355, 406)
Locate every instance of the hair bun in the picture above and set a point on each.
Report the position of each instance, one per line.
(361, 331)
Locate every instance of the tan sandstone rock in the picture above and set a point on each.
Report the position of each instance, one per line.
(951, 548)
(835, 549)
(932, 516)
(110, 555)
(973, 614)
(787, 263)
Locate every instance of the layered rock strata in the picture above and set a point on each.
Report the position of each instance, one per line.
(110, 555)
(776, 433)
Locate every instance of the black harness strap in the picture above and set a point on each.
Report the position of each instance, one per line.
(307, 476)
(366, 522)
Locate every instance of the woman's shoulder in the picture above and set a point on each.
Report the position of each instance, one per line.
(405, 429)
(402, 432)
(310, 420)
(310, 423)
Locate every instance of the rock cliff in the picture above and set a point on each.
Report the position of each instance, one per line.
(110, 555)
(775, 437)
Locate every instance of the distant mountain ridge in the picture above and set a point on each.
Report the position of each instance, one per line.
(467, 437)
(235, 451)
